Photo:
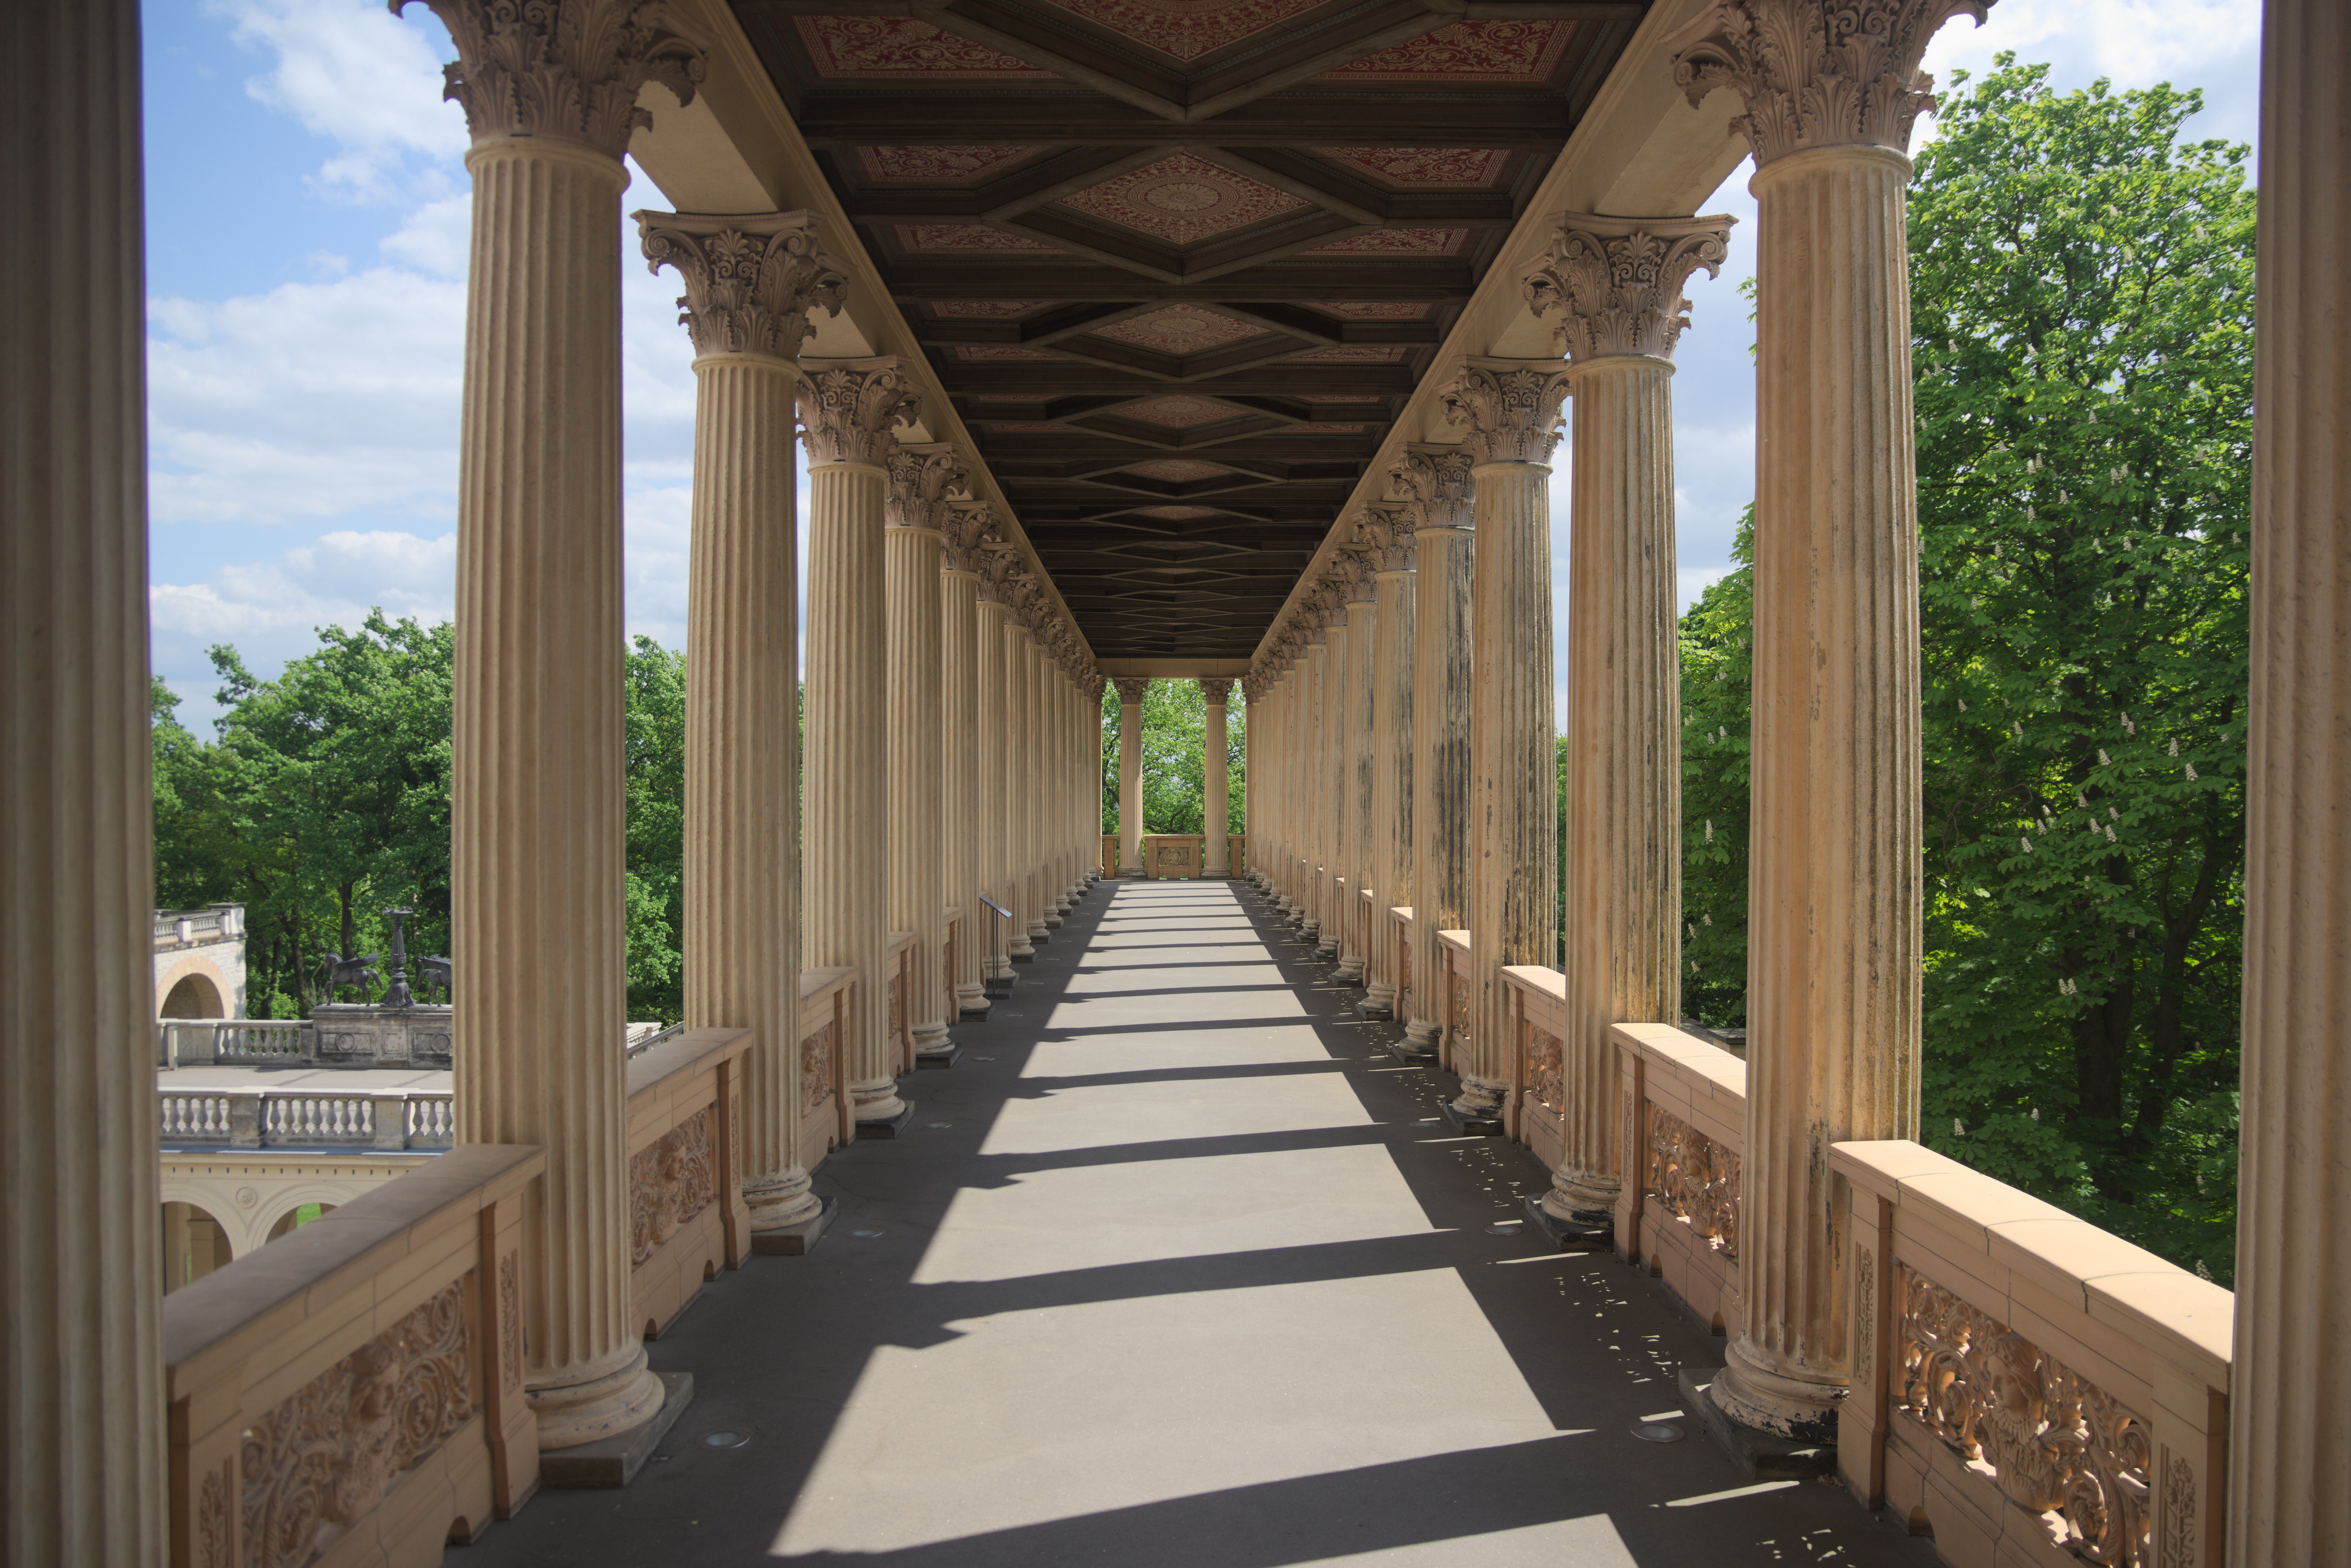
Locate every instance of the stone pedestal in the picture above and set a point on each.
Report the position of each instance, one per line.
(849, 407)
(352, 1035)
(1436, 479)
(2288, 1425)
(1508, 411)
(81, 1385)
(750, 282)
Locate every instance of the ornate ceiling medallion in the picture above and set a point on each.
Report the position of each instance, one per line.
(969, 239)
(900, 49)
(1176, 412)
(1395, 242)
(1495, 52)
(1186, 30)
(937, 165)
(1181, 199)
(1179, 330)
(1176, 470)
(1420, 168)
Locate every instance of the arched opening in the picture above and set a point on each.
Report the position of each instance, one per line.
(196, 996)
(294, 1219)
(193, 1244)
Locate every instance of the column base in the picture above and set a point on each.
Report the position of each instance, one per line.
(780, 1200)
(1471, 1124)
(891, 1126)
(1421, 1035)
(946, 1055)
(1052, 922)
(588, 1402)
(1758, 1455)
(1026, 956)
(1573, 1202)
(975, 1010)
(1410, 1054)
(796, 1241)
(1569, 1235)
(614, 1461)
(1772, 1404)
(1379, 1001)
(1350, 967)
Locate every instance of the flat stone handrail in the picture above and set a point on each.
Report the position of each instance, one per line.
(306, 1118)
(686, 1215)
(2022, 1378)
(368, 1367)
(1677, 1208)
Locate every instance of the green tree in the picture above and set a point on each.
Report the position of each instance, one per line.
(2081, 308)
(1174, 749)
(655, 774)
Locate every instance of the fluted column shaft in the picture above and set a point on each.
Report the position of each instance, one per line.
(1313, 772)
(1834, 899)
(2288, 1425)
(1252, 719)
(846, 767)
(742, 938)
(1390, 821)
(1278, 860)
(1129, 778)
(1065, 770)
(1362, 718)
(1041, 918)
(1446, 565)
(961, 777)
(1623, 784)
(917, 851)
(1013, 657)
(1216, 781)
(82, 1419)
(536, 832)
(993, 841)
(1331, 787)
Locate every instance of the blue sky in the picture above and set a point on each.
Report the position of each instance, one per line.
(307, 236)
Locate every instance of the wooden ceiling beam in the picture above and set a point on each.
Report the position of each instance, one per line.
(1429, 118)
(1269, 381)
(1377, 280)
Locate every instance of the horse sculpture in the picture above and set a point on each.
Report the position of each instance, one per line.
(358, 970)
(432, 975)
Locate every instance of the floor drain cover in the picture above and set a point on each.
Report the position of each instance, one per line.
(724, 1440)
(1506, 1227)
(1656, 1431)
(865, 1233)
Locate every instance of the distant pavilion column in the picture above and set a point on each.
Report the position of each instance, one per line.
(1313, 730)
(992, 842)
(1388, 530)
(2288, 1425)
(1253, 700)
(1274, 858)
(915, 507)
(537, 881)
(1042, 916)
(1833, 917)
(81, 1385)
(1215, 779)
(1062, 875)
(1331, 785)
(1617, 285)
(848, 408)
(968, 527)
(1130, 690)
(1012, 657)
(1355, 764)
(751, 283)
(1437, 480)
(1508, 411)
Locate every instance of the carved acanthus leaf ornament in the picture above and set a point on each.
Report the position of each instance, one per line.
(1617, 282)
(1817, 73)
(1130, 689)
(850, 406)
(1436, 479)
(1217, 690)
(921, 476)
(567, 70)
(966, 530)
(1386, 529)
(1508, 411)
(750, 282)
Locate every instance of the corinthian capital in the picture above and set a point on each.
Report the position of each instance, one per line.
(1817, 73)
(1617, 282)
(1217, 690)
(1436, 481)
(565, 69)
(921, 475)
(1130, 689)
(750, 281)
(1507, 409)
(1386, 529)
(967, 529)
(850, 406)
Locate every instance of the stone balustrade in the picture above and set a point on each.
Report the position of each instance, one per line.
(182, 1043)
(2026, 1386)
(358, 1397)
(826, 1114)
(1170, 855)
(687, 1218)
(305, 1119)
(1685, 1122)
(1453, 1039)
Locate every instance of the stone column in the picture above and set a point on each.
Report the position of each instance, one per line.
(1042, 916)
(1130, 774)
(1215, 781)
(81, 1385)
(1508, 411)
(988, 788)
(1253, 699)
(1834, 894)
(1012, 656)
(2286, 1499)
(751, 283)
(968, 527)
(536, 825)
(1356, 768)
(1617, 285)
(1388, 531)
(1061, 874)
(1313, 727)
(1331, 785)
(916, 507)
(848, 408)
(1437, 478)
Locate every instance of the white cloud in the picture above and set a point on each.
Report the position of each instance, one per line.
(437, 238)
(351, 72)
(2136, 42)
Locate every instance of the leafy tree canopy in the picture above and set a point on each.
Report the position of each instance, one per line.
(1174, 747)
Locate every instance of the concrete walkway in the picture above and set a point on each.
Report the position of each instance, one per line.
(1178, 1268)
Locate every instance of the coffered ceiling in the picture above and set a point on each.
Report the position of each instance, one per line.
(1180, 262)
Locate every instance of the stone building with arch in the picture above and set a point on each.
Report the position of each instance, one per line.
(200, 962)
